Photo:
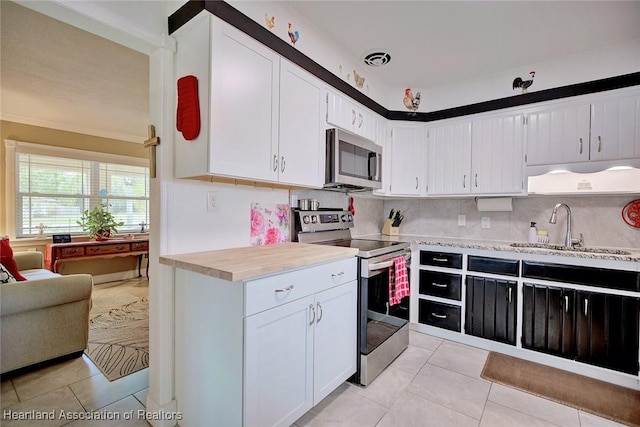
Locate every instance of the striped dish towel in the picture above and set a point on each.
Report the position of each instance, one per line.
(398, 281)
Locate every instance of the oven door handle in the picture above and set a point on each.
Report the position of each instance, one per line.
(386, 264)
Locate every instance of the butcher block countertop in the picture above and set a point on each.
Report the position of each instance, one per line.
(255, 261)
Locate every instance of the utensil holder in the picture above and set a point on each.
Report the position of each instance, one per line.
(390, 230)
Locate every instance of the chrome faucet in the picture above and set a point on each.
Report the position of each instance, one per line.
(568, 241)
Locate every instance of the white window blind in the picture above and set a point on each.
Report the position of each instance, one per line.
(54, 191)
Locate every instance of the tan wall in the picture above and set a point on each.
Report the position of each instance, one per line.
(58, 138)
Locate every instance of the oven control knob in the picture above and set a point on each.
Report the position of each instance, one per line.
(306, 219)
(314, 219)
(343, 218)
(350, 218)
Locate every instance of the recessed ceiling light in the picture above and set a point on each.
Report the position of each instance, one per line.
(376, 58)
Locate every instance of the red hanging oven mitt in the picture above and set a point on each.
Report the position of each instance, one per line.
(188, 113)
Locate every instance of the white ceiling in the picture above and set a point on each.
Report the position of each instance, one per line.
(436, 43)
(58, 76)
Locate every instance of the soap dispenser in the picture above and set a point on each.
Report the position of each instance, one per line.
(533, 233)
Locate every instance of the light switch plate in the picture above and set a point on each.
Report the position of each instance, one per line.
(486, 222)
(462, 220)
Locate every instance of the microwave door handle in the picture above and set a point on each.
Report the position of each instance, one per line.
(373, 164)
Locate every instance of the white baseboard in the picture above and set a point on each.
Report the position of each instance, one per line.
(113, 277)
(166, 415)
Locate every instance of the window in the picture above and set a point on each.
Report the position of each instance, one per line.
(54, 191)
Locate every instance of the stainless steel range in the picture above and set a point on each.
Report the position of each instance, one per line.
(383, 330)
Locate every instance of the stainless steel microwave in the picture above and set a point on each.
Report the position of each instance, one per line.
(352, 161)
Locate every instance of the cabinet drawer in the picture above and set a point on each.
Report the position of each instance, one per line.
(268, 292)
(508, 267)
(590, 276)
(140, 246)
(444, 316)
(108, 249)
(445, 285)
(71, 252)
(441, 259)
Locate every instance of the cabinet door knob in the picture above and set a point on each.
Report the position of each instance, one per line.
(312, 313)
(288, 288)
(319, 313)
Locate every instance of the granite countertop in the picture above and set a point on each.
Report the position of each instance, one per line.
(254, 261)
(633, 254)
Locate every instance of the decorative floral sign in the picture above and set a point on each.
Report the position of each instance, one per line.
(269, 224)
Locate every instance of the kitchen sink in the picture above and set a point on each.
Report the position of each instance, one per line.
(571, 249)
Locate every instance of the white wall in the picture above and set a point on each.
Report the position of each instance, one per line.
(590, 65)
(191, 228)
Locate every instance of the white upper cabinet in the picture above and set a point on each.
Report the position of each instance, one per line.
(259, 122)
(599, 128)
(497, 155)
(558, 135)
(449, 170)
(408, 159)
(344, 113)
(301, 139)
(615, 128)
(244, 106)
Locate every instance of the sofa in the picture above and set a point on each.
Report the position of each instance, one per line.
(45, 317)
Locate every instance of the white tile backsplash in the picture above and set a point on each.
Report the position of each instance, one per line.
(598, 218)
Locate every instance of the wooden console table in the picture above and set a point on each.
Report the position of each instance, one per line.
(57, 253)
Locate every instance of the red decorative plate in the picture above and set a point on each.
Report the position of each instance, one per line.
(631, 213)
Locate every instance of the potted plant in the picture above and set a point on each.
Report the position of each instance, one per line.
(98, 223)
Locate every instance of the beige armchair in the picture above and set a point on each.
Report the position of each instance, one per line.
(42, 318)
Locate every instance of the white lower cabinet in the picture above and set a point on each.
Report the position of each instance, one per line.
(298, 353)
(264, 351)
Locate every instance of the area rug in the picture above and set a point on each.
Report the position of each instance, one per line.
(587, 394)
(119, 332)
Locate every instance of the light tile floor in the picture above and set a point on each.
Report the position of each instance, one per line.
(437, 383)
(433, 383)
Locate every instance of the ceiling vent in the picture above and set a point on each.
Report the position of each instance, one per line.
(376, 58)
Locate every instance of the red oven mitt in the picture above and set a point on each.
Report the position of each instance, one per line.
(188, 113)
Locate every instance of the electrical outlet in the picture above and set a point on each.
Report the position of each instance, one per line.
(462, 220)
(486, 222)
(212, 201)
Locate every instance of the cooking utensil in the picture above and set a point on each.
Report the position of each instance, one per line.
(303, 204)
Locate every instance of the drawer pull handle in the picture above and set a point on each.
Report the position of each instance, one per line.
(439, 316)
(566, 304)
(586, 307)
(439, 285)
(337, 274)
(580, 145)
(319, 313)
(440, 259)
(312, 312)
(509, 294)
(599, 144)
(288, 288)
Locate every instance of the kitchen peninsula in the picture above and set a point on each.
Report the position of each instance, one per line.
(262, 333)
